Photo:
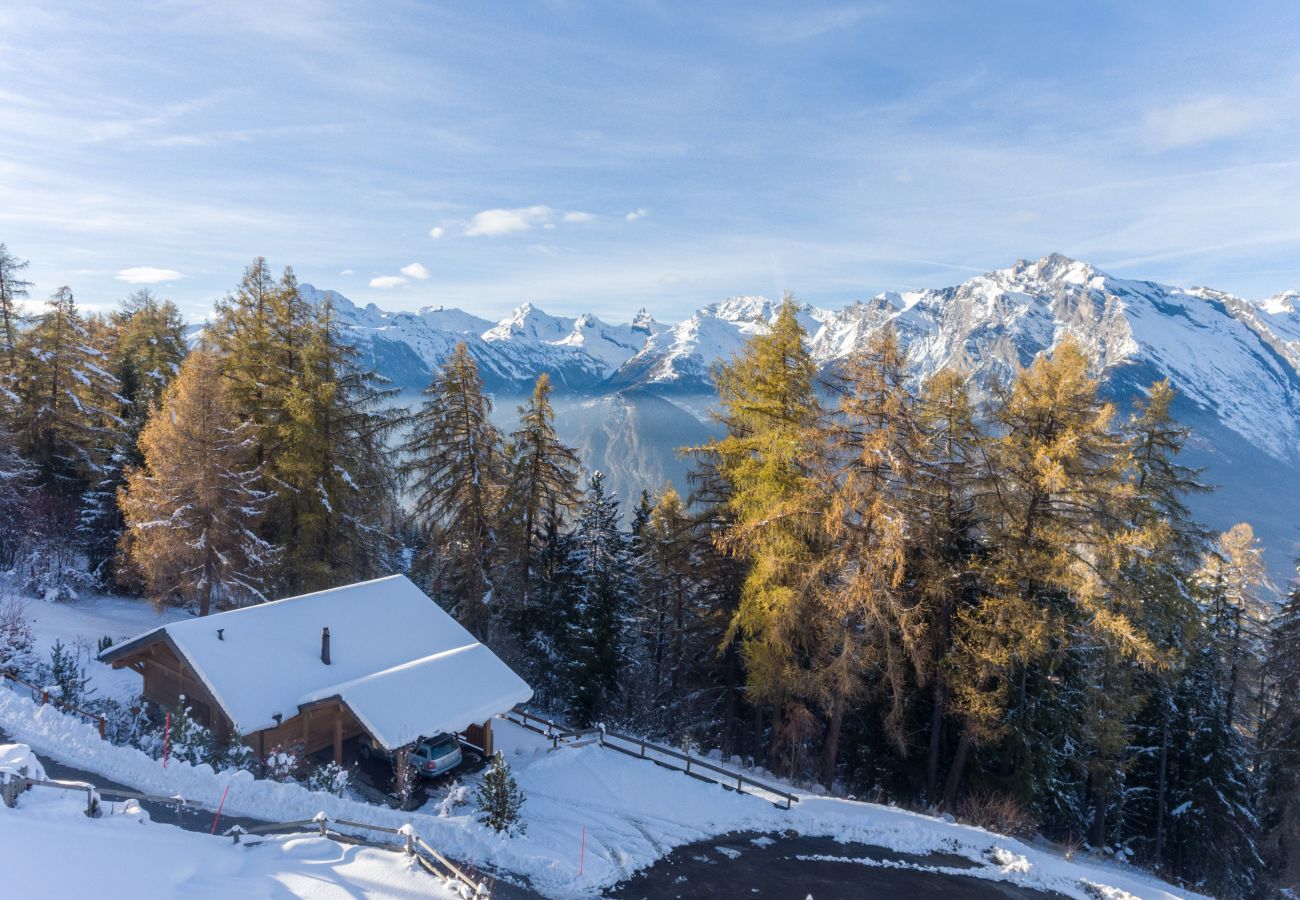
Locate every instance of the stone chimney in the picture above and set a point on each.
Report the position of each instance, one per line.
(325, 645)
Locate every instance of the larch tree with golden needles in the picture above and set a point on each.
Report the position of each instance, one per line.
(767, 459)
(1052, 484)
(193, 508)
(872, 624)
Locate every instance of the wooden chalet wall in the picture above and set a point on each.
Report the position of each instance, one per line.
(167, 678)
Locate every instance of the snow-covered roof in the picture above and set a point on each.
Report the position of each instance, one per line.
(402, 665)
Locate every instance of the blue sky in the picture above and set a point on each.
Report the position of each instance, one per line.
(607, 156)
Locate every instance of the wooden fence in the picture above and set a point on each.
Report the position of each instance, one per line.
(42, 696)
(666, 757)
(411, 844)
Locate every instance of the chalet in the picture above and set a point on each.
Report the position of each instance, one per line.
(377, 658)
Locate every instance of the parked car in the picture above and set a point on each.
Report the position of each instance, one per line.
(431, 757)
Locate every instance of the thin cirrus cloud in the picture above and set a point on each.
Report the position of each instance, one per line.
(1201, 121)
(636, 214)
(500, 222)
(147, 275)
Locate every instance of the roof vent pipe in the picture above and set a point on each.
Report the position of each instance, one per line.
(325, 645)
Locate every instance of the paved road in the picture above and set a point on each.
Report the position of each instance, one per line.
(723, 868)
(733, 866)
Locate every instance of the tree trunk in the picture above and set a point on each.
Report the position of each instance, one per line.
(936, 742)
(1097, 836)
(1161, 788)
(831, 747)
(957, 769)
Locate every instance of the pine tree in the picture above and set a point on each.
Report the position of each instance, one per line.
(147, 349)
(1153, 563)
(598, 625)
(242, 332)
(1280, 813)
(453, 460)
(1212, 826)
(335, 494)
(874, 445)
(17, 498)
(541, 481)
(13, 290)
(765, 467)
(945, 544)
(500, 799)
(193, 508)
(66, 425)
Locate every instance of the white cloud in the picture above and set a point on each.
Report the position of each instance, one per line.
(1203, 120)
(415, 270)
(576, 216)
(147, 275)
(496, 222)
(636, 214)
(347, 272)
(437, 231)
(387, 281)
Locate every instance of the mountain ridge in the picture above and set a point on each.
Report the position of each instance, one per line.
(1234, 362)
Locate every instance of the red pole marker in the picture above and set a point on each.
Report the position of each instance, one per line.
(582, 853)
(167, 733)
(220, 806)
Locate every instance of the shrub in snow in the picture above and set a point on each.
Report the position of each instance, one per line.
(104, 643)
(191, 742)
(284, 761)
(67, 676)
(998, 812)
(499, 798)
(16, 638)
(329, 778)
(456, 796)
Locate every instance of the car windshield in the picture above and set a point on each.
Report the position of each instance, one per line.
(439, 746)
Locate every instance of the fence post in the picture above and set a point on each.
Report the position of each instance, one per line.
(643, 748)
(408, 832)
(738, 784)
(234, 832)
(322, 820)
(688, 764)
(103, 728)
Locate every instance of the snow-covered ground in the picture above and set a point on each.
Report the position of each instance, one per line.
(632, 812)
(51, 850)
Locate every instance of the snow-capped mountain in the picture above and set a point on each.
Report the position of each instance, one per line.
(1235, 362)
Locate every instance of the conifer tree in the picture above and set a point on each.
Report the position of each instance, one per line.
(66, 425)
(598, 624)
(243, 333)
(453, 460)
(13, 290)
(147, 348)
(334, 490)
(1280, 791)
(193, 507)
(1053, 484)
(500, 799)
(775, 521)
(874, 444)
(541, 481)
(945, 545)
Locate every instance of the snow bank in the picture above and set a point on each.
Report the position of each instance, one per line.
(124, 855)
(18, 759)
